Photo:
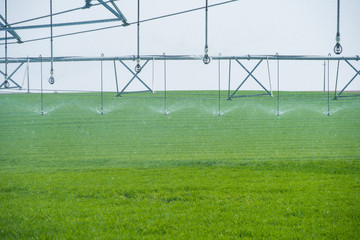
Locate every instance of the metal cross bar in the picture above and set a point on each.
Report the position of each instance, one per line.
(118, 10)
(357, 73)
(12, 32)
(9, 77)
(117, 13)
(249, 74)
(135, 76)
(254, 76)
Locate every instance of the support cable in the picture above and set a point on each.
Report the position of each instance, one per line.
(206, 58)
(338, 48)
(51, 79)
(121, 25)
(138, 67)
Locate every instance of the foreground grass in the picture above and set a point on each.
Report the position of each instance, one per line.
(136, 173)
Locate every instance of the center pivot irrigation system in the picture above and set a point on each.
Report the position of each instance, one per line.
(110, 5)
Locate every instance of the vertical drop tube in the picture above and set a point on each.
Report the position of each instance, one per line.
(328, 113)
(206, 58)
(219, 76)
(51, 79)
(278, 86)
(338, 48)
(138, 67)
(165, 106)
(229, 79)
(6, 82)
(101, 94)
(41, 86)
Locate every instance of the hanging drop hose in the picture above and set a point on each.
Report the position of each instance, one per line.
(138, 67)
(6, 82)
(206, 58)
(51, 79)
(338, 48)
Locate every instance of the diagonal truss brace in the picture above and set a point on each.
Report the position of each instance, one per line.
(10, 79)
(135, 76)
(12, 32)
(357, 73)
(250, 74)
(116, 12)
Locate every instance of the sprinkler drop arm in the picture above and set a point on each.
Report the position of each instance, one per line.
(338, 48)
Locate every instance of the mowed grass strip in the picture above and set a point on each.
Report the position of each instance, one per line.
(137, 173)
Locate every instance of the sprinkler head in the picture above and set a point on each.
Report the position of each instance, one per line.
(51, 80)
(137, 67)
(328, 113)
(338, 48)
(206, 59)
(6, 84)
(42, 113)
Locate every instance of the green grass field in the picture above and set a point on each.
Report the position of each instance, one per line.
(135, 173)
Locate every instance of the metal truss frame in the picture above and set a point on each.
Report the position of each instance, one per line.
(135, 75)
(250, 74)
(147, 58)
(9, 78)
(337, 95)
(7, 28)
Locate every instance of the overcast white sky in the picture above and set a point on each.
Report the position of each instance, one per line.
(255, 27)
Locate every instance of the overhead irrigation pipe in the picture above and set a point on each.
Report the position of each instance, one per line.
(338, 48)
(138, 67)
(206, 58)
(181, 58)
(51, 79)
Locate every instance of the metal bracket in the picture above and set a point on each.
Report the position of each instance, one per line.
(12, 32)
(116, 12)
